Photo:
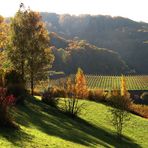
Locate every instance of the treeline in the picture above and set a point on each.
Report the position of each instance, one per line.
(72, 54)
(119, 34)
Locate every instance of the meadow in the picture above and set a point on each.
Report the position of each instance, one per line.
(42, 126)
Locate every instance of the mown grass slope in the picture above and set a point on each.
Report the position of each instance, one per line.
(43, 126)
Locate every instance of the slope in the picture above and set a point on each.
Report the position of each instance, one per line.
(44, 126)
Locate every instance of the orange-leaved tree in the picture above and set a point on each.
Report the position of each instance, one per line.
(81, 89)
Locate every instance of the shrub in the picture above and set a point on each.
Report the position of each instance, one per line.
(52, 95)
(5, 103)
(15, 85)
(140, 110)
(119, 112)
(72, 106)
(97, 95)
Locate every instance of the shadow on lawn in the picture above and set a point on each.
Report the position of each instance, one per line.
(16, 137)
(54, 123)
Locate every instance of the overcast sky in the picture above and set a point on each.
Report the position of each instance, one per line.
(133, 9)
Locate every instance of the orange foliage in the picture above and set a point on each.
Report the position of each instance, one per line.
(80, 87)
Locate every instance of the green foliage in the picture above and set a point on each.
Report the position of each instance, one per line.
(29, 49)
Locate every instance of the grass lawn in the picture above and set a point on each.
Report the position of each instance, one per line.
(43, 126)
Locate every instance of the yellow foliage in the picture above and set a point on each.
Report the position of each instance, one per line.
(81, 86)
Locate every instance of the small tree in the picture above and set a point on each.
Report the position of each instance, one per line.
(80, 86)
(72, 106)
(120, 104)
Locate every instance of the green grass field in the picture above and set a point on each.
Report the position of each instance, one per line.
(44, 127)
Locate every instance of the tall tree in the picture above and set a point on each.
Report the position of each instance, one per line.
(18, 38)
(30, 42)
(4, 62)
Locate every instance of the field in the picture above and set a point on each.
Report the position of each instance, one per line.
(137, 82)
(45, 127)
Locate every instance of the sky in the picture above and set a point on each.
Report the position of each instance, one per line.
(134, 9)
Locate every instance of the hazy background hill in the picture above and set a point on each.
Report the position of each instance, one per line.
(122, 35)
(70, 54)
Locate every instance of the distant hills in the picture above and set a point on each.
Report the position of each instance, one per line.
(71, 54)
(122, 38)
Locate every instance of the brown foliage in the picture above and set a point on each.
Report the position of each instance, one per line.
(97, 95)
(140, 110)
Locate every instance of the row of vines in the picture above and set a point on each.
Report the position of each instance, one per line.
(138, 82)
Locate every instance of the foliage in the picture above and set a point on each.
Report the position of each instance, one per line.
(30, 51)
(80, 85)
(140, 110)
(75, 54)
(5, 103)
(119, 112)
(4, 29)
(52, 95)
(97, 95)
(119, 34)
(72, 106)
(15, 85)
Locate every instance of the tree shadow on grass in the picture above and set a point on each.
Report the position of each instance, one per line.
(16, 137)
(54, 123)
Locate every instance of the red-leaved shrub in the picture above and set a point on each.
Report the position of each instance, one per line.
(5, 103)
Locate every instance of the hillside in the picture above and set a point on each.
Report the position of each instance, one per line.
(72, 54)
(122, 35)
(43, 126)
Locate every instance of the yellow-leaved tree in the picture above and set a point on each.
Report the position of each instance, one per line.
(124, 91)
(81, 89)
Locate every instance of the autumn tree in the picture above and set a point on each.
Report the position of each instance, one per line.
(80, 84)
(72, 105)
(120, 103)
(4, 39)
(30, 52)
(4, 29)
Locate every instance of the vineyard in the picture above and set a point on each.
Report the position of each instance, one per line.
(138, 82)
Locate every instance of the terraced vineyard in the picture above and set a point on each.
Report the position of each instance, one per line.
(137, 82)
